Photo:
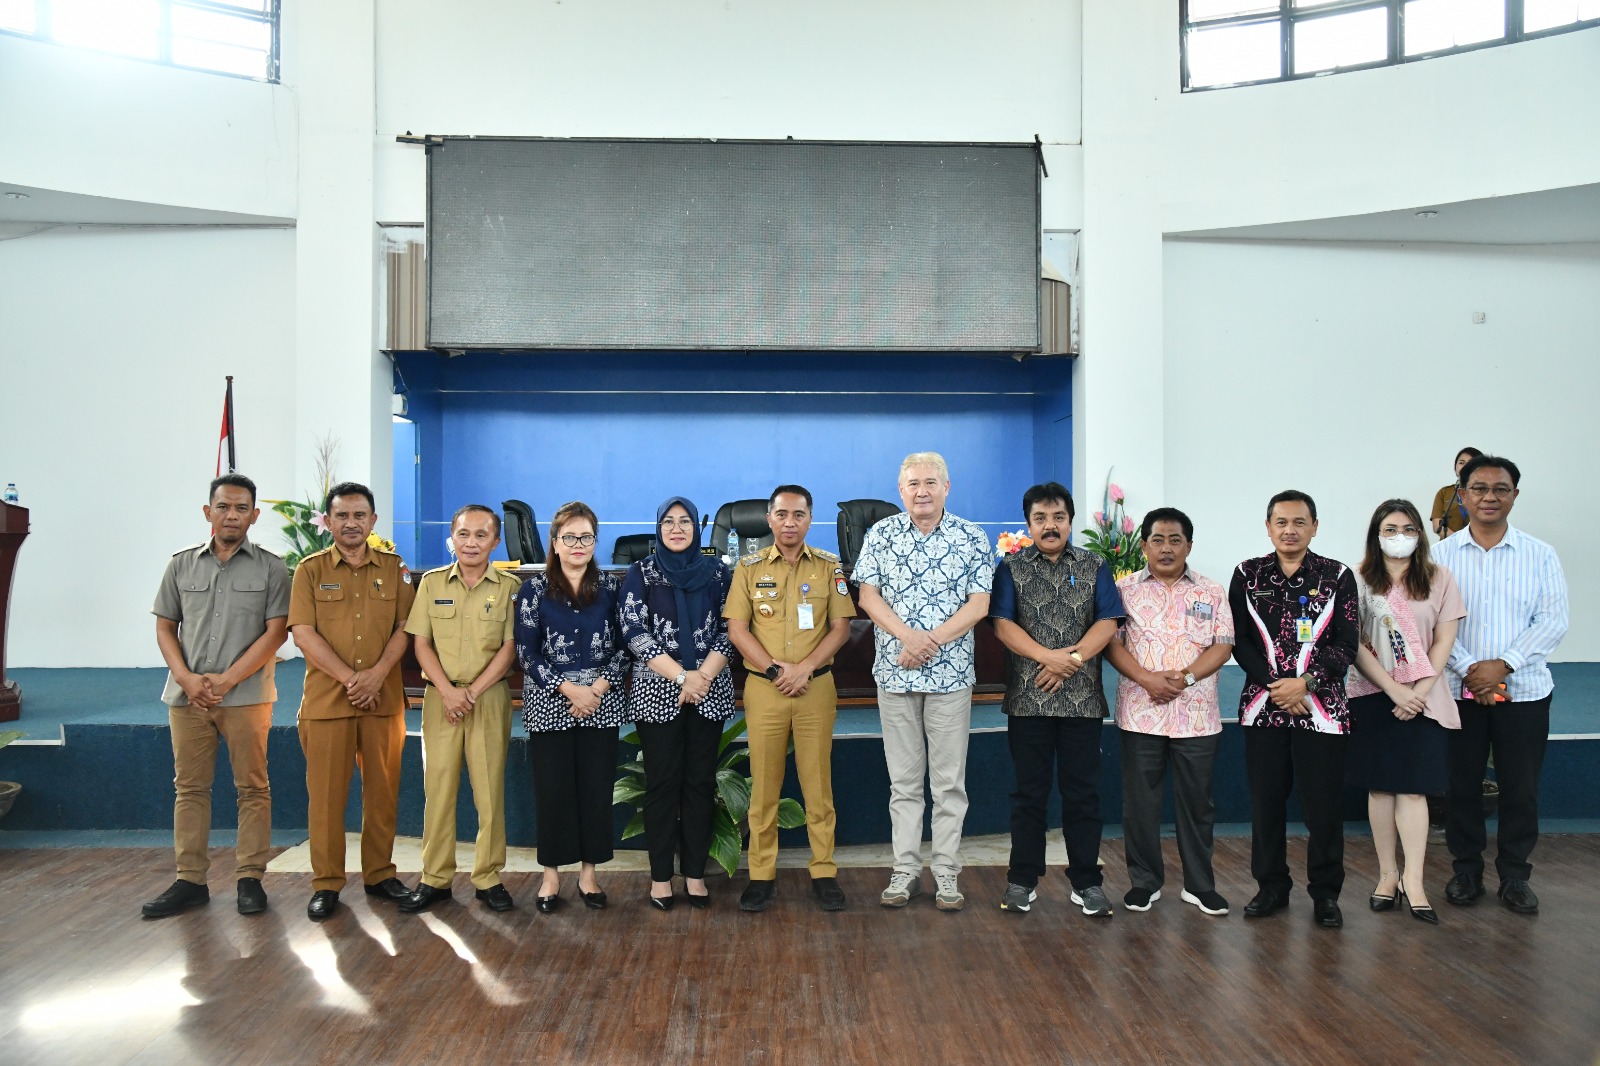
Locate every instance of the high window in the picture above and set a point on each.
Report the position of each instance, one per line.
(1242, 42)
(238, 37)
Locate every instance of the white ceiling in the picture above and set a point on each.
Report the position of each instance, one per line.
(44, 206)
(1555, 216)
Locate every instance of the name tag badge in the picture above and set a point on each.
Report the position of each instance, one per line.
(1302, 630)
(329, 588)
(444, 603)
(806, 620)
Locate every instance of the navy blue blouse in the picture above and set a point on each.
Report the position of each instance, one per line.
(651, 627)
(557, 642)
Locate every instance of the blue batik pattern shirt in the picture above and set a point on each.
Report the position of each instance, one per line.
(559, 642)
(650, 625)
(925, 578)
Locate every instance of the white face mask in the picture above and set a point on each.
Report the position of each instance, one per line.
(1398, 546)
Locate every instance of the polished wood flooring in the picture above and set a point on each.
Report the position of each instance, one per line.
(83, 979)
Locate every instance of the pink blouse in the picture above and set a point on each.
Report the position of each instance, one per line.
(1444, 604)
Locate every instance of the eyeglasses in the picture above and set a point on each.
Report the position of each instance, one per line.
(677, 523)
(582, 540)
(1499, 492)
(1392, 531)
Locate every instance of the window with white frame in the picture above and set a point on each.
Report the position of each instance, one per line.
(1245, 42)
(237, 37)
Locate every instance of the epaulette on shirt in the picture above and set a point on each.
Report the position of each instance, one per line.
(753, 558)
(827, 557)
(437, 569)
(189, 548)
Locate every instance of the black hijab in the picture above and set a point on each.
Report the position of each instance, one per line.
(691, 575)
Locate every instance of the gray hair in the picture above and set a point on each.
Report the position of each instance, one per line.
(933, 459)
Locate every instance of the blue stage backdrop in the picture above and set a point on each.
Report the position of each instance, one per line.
(622, 431)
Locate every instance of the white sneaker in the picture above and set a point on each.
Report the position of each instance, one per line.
(902, 886)
(948, 897)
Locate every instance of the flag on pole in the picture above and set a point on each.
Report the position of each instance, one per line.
(225, 441)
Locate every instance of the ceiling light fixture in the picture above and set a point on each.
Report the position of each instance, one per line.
(17, 195)
(1427, 214)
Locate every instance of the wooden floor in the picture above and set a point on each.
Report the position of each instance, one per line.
(83, 979)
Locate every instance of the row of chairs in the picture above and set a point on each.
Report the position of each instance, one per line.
(745, 520)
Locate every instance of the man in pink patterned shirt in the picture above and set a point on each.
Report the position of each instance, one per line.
(1178, 633)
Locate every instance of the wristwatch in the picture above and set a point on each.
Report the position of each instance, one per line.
(1310, 680)
(1189, 680)
(771, 673)
(682, 676)
(1076, 656)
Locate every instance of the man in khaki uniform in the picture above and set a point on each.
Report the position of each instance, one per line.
(463, 622)
(219, 620)
(348, 615)
(788, 612)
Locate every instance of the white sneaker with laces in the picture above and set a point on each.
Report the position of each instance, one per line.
(948, 897)
(902, 886)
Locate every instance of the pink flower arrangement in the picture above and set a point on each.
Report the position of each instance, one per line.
(1011, 543)
(319, 521)
(1113, 534)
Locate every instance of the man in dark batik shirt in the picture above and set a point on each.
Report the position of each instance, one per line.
(1296, 619)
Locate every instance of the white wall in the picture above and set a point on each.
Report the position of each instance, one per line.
(943, 70)
(1354, 372)
(1496, 121)
(112, 360)
(80, 122)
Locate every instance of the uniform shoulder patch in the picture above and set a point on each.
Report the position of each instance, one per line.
(267, 551)
(827, 557)
(438, 569)
(752, 559)
(189, 548)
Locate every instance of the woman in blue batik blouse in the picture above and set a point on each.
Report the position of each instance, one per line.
(681, 694)
(573, 665)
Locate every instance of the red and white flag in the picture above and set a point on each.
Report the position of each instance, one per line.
(225, 441)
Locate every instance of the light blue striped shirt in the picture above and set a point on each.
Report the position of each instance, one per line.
(1516, 598)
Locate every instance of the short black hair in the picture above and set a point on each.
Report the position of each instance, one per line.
(1480, 462)
(469, 508)
(348, 488)
(1292, 496)
(1469, 451)
(1166, 514)
(792, 490)
(1050, 490)
(238, 481)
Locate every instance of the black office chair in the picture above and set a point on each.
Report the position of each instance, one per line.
(855, 518)
(631, 547)
(744, 519)
(521, 533)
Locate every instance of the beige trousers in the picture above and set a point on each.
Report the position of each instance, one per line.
(195, 734)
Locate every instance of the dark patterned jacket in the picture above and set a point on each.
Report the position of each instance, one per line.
(1055, 604)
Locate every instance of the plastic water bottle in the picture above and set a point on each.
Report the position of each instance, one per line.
(11, 492)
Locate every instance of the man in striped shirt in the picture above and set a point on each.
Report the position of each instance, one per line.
(1516, 598)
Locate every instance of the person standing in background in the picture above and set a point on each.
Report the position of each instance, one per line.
(1449, 509)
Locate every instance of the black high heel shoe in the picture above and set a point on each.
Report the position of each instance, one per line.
(595, 901)
(700, 903)
(1383, 903)
(661, 903)
(1421, 914)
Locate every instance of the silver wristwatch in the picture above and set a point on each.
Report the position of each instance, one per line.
(682, 676)
(1189, 679)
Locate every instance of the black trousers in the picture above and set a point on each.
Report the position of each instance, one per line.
(1517, 733)
(1039, 748)
(680, 781)
(1145, 759)
(1312, 763)
(573, 773)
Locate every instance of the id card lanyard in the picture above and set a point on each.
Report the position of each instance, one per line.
(1302, 625)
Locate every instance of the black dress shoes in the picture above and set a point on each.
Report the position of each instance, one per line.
(596, 900)
(1381, 903)
(547, 904)
(827, 893)
(390, 888)
(1327, 914)
(180, 897)
(1463, 890)
(700, 902)
(1517, 896)
(1267, 901)
(322, 905)
(758, 894)
(252, 897)
(496, 898)
(660, 903)
(423, 897)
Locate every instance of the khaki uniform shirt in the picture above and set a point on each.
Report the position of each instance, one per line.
(467, 626)
(1447, 505)
(356, 611)
(767, 593)
(221, 609)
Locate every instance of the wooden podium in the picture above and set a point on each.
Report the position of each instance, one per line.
(13, 528)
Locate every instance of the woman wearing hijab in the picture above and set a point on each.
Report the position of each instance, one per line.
(681, 694)
(1400, 706)
(573, 663)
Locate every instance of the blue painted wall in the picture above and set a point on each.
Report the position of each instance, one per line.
(621, 431)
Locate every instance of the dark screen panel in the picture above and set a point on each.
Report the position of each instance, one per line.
(736, 245)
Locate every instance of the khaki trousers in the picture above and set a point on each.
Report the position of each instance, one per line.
(480, 741)
(771, 717)
(195, 733)
(334, 747)
(926, 733)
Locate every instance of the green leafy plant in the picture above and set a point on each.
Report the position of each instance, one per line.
(306, 528)
(730, 822)
(1113, 536)
(9, 735)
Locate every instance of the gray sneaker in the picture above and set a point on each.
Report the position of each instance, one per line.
(902, 887)
(948, 897)
(1093, 901)
(1018, 899)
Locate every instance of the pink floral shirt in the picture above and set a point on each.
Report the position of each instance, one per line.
(1167, 628)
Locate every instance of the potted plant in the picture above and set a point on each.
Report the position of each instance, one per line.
(1114, 536)
(8, 789)
(730, 825)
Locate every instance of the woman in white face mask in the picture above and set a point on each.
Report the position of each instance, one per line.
(1400, 706)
